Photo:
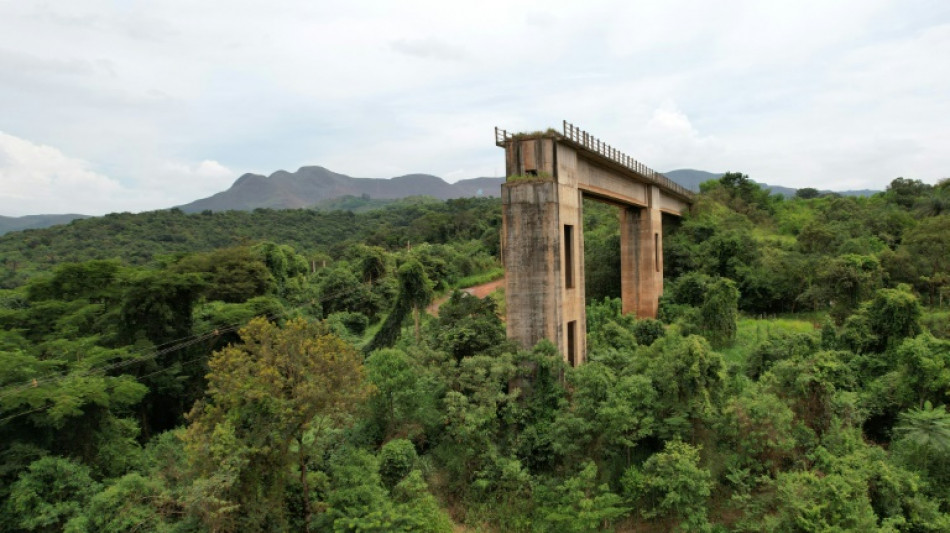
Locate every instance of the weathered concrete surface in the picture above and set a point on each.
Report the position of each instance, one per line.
(530, 253)
(543, 238)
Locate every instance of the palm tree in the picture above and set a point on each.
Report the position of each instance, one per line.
(927, 429)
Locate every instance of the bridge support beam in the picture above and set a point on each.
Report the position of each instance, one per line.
(641, 259)
(542, 251)
(542, 241)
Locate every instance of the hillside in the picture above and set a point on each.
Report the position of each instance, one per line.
(691, 179)
(8, 224)
(141, 238)
(273, 370)
(312, 185)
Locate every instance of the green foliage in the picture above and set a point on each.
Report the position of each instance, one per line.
(922, 442)
(647, 331)
(756, 430)
(264, 395)
(404, 399)
(671, 483)
(578, 504)
(927, 428)
(467, 325)
(230, 274)
(810, 501)
(719, 312)
(925, 368)
(132, 503)
(894, 315)
(396, 459)
(342, 291)
(807, 193)
(158, 305)
(53, 491)
(142, 238)
(785, 430)
(601, 251)
(811, 385)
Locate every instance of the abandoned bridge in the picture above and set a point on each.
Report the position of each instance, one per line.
(542, 243)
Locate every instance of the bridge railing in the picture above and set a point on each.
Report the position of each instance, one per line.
(588, 141)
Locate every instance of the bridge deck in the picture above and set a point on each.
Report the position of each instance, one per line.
(593, 148)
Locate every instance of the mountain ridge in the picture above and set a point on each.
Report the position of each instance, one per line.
(313, 186)
(310, 185)
(691, 178)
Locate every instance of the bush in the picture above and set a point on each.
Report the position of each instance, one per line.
(671, 483)
(396, 460)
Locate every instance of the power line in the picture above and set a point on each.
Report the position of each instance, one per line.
(186, 342)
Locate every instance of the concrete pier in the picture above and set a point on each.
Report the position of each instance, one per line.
(542, 245)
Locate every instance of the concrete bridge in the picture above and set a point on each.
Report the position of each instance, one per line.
(542, 243)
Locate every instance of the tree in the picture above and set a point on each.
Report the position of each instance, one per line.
(928, 246)
(263, 396)
(905, 192)
(468, 325)
(578, 504)
(342, 291)
(893, 315)
(849, 280)
(922, 441)
(232, 274)
(671, 483)
(414, 288)
(158, 306)
(756, 428)
(807, 193)
(719, 312)
(50, 493)
(403, 398)
(133, 503)
(928, 428)
(396, 459)
(415, 292)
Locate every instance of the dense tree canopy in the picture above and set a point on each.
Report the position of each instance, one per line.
(279, 371)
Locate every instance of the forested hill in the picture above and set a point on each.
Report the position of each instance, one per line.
(8, 224)
(278, 371)
(691, 179)
(313, 184)
(141, 238)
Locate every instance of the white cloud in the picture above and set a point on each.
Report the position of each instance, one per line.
(793, 92)
(39, 179)
(430, 48)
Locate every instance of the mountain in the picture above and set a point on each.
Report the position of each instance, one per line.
(319, 188)
(691, 179)
(8, 224)
(313, 185)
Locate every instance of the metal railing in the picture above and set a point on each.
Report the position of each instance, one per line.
(588, 141)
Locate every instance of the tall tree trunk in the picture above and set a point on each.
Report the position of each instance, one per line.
(415, 316)
(307, 513)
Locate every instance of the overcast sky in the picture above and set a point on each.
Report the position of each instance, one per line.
(135, 105)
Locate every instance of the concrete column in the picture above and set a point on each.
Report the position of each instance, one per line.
(629, 259)
(650, 256)
(531, 252)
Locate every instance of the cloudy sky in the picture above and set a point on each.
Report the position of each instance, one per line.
(135, 105)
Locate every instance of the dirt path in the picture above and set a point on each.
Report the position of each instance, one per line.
(479, 291)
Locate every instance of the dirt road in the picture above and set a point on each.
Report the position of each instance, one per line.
(479, 291)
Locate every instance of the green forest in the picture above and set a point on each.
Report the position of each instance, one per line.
(285, 370)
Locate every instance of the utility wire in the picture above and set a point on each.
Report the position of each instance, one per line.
(185, 342)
